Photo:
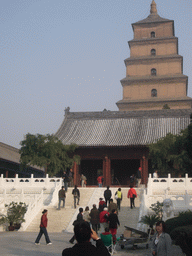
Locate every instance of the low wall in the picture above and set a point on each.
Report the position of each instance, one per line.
(35, 192)
(179, 190)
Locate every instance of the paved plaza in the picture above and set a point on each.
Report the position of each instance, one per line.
(22, 244)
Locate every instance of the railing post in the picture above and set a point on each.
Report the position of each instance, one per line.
(169, 180)
(16, 181)
(31, 180)
(47, 180)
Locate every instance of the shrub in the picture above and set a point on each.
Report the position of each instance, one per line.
(15, 213)
(176, 232)
(184, 219)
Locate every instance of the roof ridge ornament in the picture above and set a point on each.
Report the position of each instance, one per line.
(153, 8)
(67, 110)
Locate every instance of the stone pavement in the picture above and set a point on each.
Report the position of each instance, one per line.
(22, 244)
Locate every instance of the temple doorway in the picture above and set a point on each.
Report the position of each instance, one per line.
(121, 170)
(91, 169)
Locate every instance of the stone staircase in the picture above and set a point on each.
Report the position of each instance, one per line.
(61, 220)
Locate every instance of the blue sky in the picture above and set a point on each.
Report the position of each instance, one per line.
(60, 53)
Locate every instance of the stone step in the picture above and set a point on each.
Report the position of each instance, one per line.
(61, 220)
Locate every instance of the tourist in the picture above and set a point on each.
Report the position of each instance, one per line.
(43, 229)
(76, 196)
(107, 195)
(65, 180)
(155, 174)
(76, 222)
(161, 243)
(83, 180)
(112, 206)
(83, 235)
(94, 218)
(119, 197)
(100, 181)
(138, 177)
(113, 222)
(102, 204)
(132, 194)
(132, 180)
(86, 215)
(62, 197)
(103, 219)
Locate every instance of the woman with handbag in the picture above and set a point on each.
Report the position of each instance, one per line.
(118, 197)
(132, 194)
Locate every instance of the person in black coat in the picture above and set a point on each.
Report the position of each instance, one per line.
(113, 222)
(107, 195)
(83, 235)
(76, 222)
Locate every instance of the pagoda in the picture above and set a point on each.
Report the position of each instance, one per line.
(154, 71)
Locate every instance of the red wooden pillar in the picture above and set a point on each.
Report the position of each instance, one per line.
(104, 170)
(7, 174)
(107, 171)
(144, 170)
(76, 176)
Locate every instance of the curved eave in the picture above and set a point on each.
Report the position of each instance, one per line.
(121, 132)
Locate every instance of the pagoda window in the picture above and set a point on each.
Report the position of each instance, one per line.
(153, 93)
(152, 34)
(153, 52)
(153, 72)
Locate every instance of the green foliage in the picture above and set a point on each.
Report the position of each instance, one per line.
(176, 231)
(149, 220)
(158, 209)
(184, 219)
(15, 213)
(173, 153)
(47, 151)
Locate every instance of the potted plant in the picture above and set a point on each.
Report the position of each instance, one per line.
(150, 220)
(15, 215)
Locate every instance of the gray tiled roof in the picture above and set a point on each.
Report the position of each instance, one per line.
(11, 154)
(115, 128)
(152, 18)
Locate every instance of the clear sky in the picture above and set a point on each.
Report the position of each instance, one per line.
(60, 53)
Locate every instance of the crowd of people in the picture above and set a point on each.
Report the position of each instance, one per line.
(101, 222)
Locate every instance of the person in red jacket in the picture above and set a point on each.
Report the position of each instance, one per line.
(100, 181)
(43, 230)
(132, 194)
(103, 218)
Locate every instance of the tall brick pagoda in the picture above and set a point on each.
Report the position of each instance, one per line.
(154, 104)
(154, 72)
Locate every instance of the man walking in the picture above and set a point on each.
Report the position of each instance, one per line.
(112, 206)
(76, 195)
(62, 197)
(94, 218)
(107, 195)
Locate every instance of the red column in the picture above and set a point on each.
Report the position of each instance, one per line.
(144, 170)
(7, 174)
(76, 177)
(107, 169)
(104, 170)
